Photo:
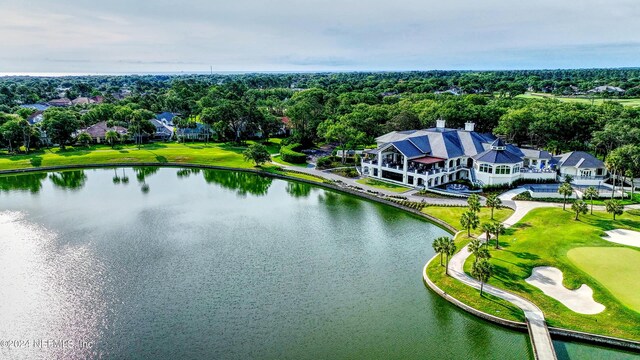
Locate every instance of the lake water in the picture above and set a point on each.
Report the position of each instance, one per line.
(170, 263)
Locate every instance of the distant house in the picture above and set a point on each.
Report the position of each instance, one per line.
(166, 118)
(99, 130)
(35, 118)
(62, 102)
(585, 168)
(285, 129)
(199, 132)
(607, 88)
(81, 101)
(163, 132)
(38, 107)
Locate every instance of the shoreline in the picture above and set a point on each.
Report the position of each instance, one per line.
(596, 339)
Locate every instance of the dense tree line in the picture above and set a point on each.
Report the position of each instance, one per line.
(348, 109)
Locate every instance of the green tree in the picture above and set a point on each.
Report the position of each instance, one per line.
(498, 229)
(439, 246)
(614, 207)
(60, 125)
(493, 202)
(449, 248)
(12, 133)
(257, 153)
(111, 137)
(487, 229)
(482, 270)
(342, 133)
(591, 193)
(474, 203)
(84, 139)
(579, 207)
(565, 190)
(469, 220)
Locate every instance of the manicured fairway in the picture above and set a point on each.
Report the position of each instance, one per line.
(616, 268)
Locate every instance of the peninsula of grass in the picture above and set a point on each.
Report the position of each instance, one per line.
(451, 215)
(278, 160)
(487, 303)
(383, 185)
(551, 237)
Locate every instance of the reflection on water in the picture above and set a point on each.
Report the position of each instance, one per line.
(298, 190)
(71, 180)
(243, 183)
(26, 182)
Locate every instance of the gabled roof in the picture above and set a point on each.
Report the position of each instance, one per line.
(498, 157)
(407, 148)
(100, 129)
(579, 159)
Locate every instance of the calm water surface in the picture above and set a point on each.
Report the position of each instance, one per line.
(169, 263)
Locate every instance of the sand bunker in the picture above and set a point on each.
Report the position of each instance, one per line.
(549, 280)
(624, 237)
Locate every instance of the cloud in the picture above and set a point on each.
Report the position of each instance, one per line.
(280, 35)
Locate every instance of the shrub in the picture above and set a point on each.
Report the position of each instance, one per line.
(634, 212)
(324, 162)
(290, 154)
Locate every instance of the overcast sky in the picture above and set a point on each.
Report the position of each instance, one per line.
(311, 35)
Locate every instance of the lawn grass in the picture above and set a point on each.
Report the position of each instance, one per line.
(451, 215)
(191, 153)
(470, 296)
(580, 99)
(383, 185)
(543, 238)
(610, 266)
(278, 160)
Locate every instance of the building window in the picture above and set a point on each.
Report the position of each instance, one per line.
(516, 169)
(486, 168)
(503, 169)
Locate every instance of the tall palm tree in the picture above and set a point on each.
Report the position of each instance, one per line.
(438, 246)
(498, 229)
(469, 220)
(590, 193)
(613, 162)
(565, 190)
(474, 247)
(579, 207)
(487, 228)
(614, 207)
(449, 249)
(482, 270)
(474, 203)
(493, 202)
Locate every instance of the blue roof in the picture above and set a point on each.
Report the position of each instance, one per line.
(452, 144)
(407, 148)
(498, 157)
(39, 107)
(165, 115)
(422, 143)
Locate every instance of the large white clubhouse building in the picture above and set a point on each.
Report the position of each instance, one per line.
(436, 156)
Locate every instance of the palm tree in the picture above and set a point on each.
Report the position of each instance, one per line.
(487, 228)
(84, 139)
(493, 202)
(474, 203)
(469, 220)
(565, 190)
(591, 193)
(111, 137)
(449, 249)
(498, 229)
(579, 207)
(474, 247)
(438, 246)
(614, 207)
(482, 270)
(613, 162)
